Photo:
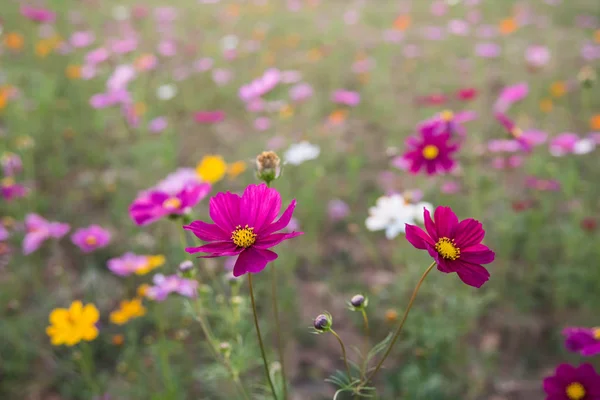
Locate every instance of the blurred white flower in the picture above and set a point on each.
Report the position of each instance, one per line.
(584, 146)
(120, 13)
(301, 152)
(166, 92)
(392, 213)
(229, 42)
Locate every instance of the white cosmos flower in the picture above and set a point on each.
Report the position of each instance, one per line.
(120, 13)
(166, 92)
(300, 152)
(392, 213)
(584, 146)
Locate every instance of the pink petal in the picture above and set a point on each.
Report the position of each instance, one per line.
(429, 225)
(446, 222)
(469, 233)
(472, 274)
(33, 241)
(224, 209)
(283, 221)
(215, 248)
(259, 206)
(445, 266)
(252, 260)
(274, 239)
(417, 237)
(478, 254)
(207, 232)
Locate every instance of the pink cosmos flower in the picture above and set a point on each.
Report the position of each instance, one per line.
(449, 121)
(209, 117)
(432, 150)
(165, 285)
(346, 97)
(124, 46)
(244, 226)
(262, 123)
(525, 141)
(4, 234)
(120, 77)
(110, 98)
(38, 14)
(454, 245)
(177, 181)
(82, 39)
(11, 190)
(38, 230)
(97, 56)
(127, 264)
(510, 95)
(158, 125)
(11, 164)
(585, 341)
(156, 204)
(543, 185)
(573, 383)
(537, 56)
(260, 86)
(301, 92)
(487, 50)
(91, 238)
(337, 210)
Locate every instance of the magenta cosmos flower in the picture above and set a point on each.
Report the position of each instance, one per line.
(571, 383)
(585, 341)
(38, 14)
(157, 204)
(432, 150)
(11, 190)
(127, 264)
(454, 245)
(91, 238)
(244, 226)
(38, 230)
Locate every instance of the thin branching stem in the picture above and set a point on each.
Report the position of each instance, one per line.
(399, 330)
(343, 353)
(280, 346)
(259, 336)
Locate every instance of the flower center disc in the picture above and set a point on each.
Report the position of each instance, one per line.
(575, 391)
(171, 203)
(90, 240)
(447, 115)
(597, 333)
(516, 132)
(447, 248)
(430, 152)
(243, 237)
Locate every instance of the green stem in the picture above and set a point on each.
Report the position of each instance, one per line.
(258, 335)
(280, 346)
(399, 330)
(164, 357)
(343, 353)
(86, 363)
(367, 336)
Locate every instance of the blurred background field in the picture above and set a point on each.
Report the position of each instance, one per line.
(183, 64)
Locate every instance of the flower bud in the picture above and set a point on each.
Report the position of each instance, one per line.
(237, 300)
(323, 323)
(358, 302)
(186, 269)
(268, 166)
(225, 349)
(587, 76)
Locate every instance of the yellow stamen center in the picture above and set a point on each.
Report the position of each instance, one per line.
(243, 237)
(90, 240)
(597, 333)
(430, 152)
(8, 181)
(171, 203)
(447, 248)
(516, 132)
(447, 115)
(575, 391)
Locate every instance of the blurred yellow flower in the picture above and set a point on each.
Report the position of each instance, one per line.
(142, 290)
(391, 315)
(71, 326)
(508, 26)
(558, 89)
(235, 169)
(153, 263)
(140, 109)
(315, 54)
(43, 48)
(3, 100)
(402, 22)
(73, 71)
(286, 112)
(595, 122)
(546, 105)
(597, 36)
(14, 41)
(118, 339)
(211, 168)
(128, 310)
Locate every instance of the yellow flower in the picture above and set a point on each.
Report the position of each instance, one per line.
(286, 112)
(595, 122)
(597, 36)
(546, 105)
(14, 41)
(152, 263)
(558, 89)
(235, 169)
(212, 168)
(42, 48)
(71, 326)
(142, 290)
(508, 26)
(3, 100)
(73, 71)
(127, 310)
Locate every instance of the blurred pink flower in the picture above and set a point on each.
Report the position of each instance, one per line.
(487, 31)
(487, 50)
(209, 117)
(110, 98)
(260, 86)
(450, 187)
(537, 56)
(255, 105)
(165, 15)
(167, 48)
(123, 46)
(351, 17)
(203, 64)
(510, 95)
(262, 123)
(412, 51)
(458, 27)
(82, 39)
(38, 14)
(38, 230)
(433, 33)
(337, 209)
(97, 56)
(276, 143)
(91, 238)
(438, 8)
(301, 92)
(221, 76)
(392, 36)
(157, 125)
(474, 17)
(120, 77)
(346, 97)
(590, 51)
(544, 185)
(503, 146)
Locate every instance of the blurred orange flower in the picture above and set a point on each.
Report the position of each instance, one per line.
(402, 22)
(14, 41)
(546, 105)
(597, 36)
(558, 89)
(140, 109)
(338, 116)
(235, 169)
(3, 100)
(595, 122)
(43, 48)
(73, 71)
(508, 26)
(118, 339)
